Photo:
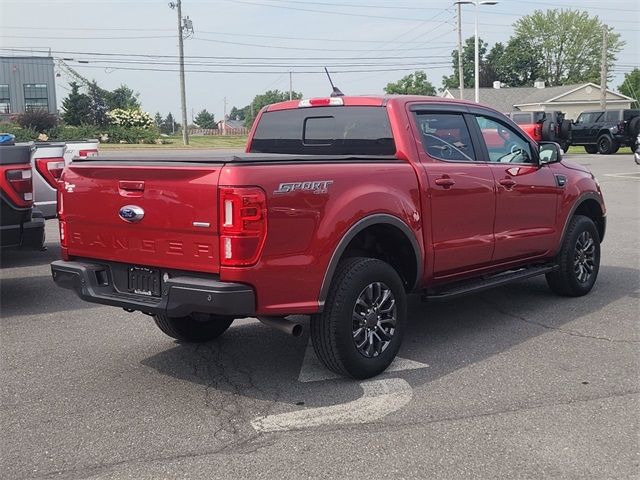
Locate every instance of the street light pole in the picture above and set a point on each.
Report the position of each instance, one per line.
(476, 4)
(477, 56)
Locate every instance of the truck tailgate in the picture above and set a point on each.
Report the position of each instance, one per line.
(159, 214)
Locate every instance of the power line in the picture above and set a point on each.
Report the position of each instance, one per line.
(217, 57)
(328, 12)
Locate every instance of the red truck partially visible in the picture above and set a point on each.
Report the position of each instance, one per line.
(339, 209)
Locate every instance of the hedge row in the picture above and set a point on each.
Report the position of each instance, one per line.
(110, 134)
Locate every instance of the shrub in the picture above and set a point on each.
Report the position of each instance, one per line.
(119, 134)
(21, 134)
(130, 118)
(69, 132)
(39, 120)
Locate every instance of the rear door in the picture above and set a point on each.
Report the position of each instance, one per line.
(461, 192)
(142, 213)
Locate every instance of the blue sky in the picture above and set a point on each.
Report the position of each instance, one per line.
(265, 39)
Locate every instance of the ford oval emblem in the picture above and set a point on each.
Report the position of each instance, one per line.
(131, 213)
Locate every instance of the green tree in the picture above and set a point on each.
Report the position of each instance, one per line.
(169, 125)
(491, 65)
(631, 86)
(122, 97)
(158, 120)
(262, 100)
(76, 107)
(237, 113)
(205, 119)
(568, 44)
(413, 84)
(468, 64)
(98, 106)
(519, 65)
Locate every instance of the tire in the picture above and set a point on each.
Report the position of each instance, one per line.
(334, 332)
(607, 145)
(634, 126)
(591, 149)
(548, 131)
(565, 129)
(580, 252)
(197, 328)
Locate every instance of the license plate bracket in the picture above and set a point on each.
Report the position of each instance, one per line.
(144, 281)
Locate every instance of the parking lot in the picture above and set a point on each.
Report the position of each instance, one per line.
(512, 383)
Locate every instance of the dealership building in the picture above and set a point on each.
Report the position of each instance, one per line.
(27, 84)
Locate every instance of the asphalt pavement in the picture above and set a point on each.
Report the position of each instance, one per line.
(510, 383)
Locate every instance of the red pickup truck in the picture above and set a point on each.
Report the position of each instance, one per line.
(339, 208)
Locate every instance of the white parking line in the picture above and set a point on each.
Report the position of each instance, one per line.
(628, 176)
(381, 397)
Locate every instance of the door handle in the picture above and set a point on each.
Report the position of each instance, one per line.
(507, 183)
(445, 182)
(132, 186)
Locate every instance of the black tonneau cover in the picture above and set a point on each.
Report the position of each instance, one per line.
(240, 158)
(10, 154)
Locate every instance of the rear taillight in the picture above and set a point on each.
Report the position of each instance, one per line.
(243, 225)
(62, 225)
(88, 153)
(50, 169)
(19, 185)
(537, 132)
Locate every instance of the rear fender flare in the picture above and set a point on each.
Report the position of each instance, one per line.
(351, 234)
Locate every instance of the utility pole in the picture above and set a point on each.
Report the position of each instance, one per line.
(183, 97)
(460, 67)
(290, 85)
(603, 70)
(224, 118)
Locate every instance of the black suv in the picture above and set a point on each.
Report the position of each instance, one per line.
(605, 131)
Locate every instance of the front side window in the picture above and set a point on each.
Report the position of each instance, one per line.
(589, 117)
(35, 97)
(445, 136)
(503, 143)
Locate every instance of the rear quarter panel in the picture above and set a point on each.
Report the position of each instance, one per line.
(305, 227)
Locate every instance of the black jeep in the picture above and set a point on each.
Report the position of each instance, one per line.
(605, 131)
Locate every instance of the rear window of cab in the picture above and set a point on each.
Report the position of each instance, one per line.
(335, 130)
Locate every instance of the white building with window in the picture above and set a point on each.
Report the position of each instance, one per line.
(27, 84)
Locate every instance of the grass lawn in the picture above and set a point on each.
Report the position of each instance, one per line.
(204, 141)
(622, 151)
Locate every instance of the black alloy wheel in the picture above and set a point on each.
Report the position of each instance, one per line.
(374, 319)
(606, 145)
(578, 259)
(584, 257)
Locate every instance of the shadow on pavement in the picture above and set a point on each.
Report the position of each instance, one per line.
(255, 361)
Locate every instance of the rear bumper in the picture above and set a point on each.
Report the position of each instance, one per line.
(27, 235)
(181, 295)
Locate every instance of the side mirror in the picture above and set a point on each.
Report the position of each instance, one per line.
(549, 152)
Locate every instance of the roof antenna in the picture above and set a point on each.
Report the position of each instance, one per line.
(336, 91)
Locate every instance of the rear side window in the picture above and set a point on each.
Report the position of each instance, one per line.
(612, 116)
(445, 136)
(325, 131)
(522, 118)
